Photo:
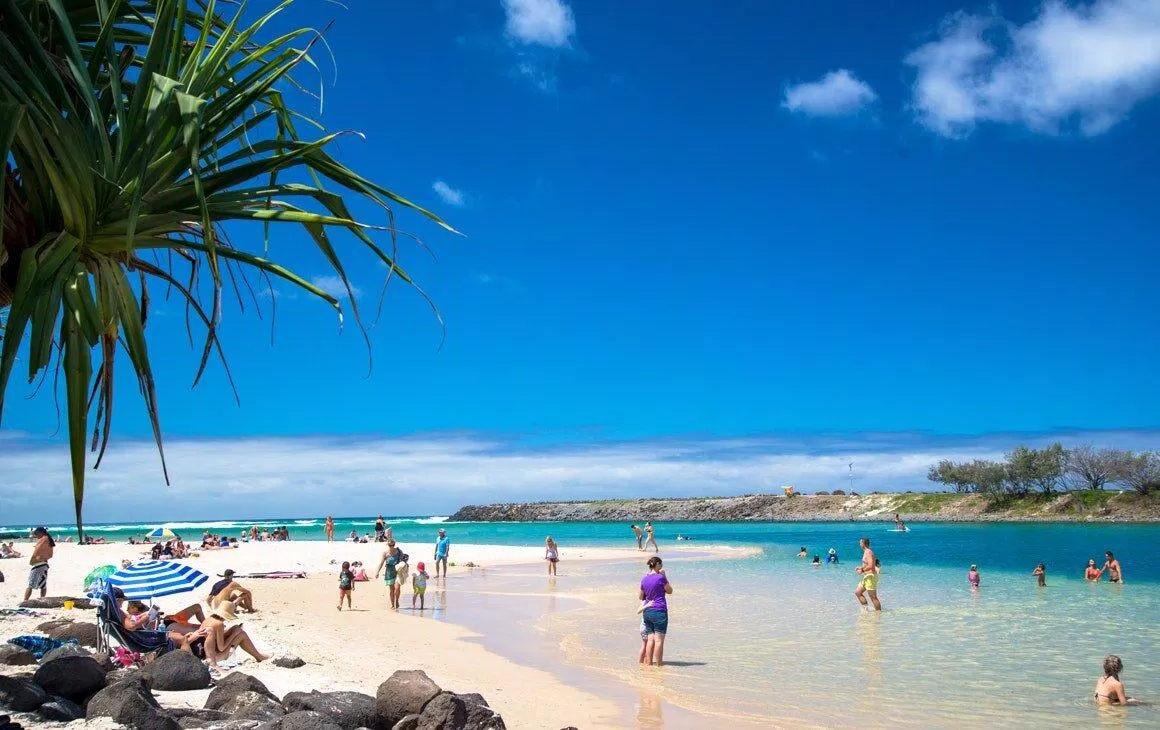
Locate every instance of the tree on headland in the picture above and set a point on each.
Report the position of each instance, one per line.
(131, 131)
(1142, 472)
(978, 476)
(1090, 468)
(1028, 469)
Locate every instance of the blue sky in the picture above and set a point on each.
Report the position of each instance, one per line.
(709, 221)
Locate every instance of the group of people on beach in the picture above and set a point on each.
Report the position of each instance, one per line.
(395, 568)
(645, 537)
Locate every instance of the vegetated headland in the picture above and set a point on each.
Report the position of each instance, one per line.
(1077, 506)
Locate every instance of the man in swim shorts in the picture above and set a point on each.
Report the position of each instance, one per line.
(868, 586)
(38, 562)
(1115, 573)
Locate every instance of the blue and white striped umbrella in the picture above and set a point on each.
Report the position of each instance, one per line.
(150, 579)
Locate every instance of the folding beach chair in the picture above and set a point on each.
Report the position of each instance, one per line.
(109, 622)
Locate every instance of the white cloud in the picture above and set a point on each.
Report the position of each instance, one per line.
(540, 22)
(1092, 63)
(450, 195)
(435, 474)
(333, 286)
(837, 94)
(541, 78)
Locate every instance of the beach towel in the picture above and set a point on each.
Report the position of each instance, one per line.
(38, 646)
(274, 574)
(20, 612)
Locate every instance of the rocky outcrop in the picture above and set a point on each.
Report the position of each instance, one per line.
(404, 693)
(21, 694)
(350, 710)
(130, 703)
(825, 507)
(177, 671)
(234, 684)
(15, 656)
(76, 678)
(83, 632)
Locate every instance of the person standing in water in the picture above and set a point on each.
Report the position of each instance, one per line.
(38, 562)
(973, 577)
(639, 537)
(650, 537)
(1115, 572)
(1041, 573)
(329, 528)
(442, 552)
(654, 587)
(1092, 573)
(868, 586)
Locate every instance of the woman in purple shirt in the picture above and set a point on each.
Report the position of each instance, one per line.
(653, 589)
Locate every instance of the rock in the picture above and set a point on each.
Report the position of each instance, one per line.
(445, 712)
(251, 705)
(21, 694)
(479, 715)
(55, 623)
(475, 697)
(234, 684)
(85, 633)
(288, 662)
(61, 710)
(130, 703)
(410, 722)
(66, 650)
(404, 693)
(188, 718)
(177, 671)
(308, 720)
(120, 675)
(73, 677)
(349, 710)
(248, 725)
(57, 602)
(14, 656)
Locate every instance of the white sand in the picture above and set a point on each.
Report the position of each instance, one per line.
(350, 650)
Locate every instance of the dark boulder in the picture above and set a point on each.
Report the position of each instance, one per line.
(349, 710)
(66, 650)
(57, 602)
(410, 722)
(15, 656)
(253, 706)
(21, 694)
(122, 674)
(189, 718)
(73, 677)
(82, 632)
(404, 693)
(234, 684)
(308, 720)
(177, 671)
(445, 712)
(479, 715)
(288, 661)
(61, 710)
(130, 703)
(55, 623)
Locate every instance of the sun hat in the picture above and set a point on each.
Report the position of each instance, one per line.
(832, 551)
(974, 567)
(442, 531)
(225, 611)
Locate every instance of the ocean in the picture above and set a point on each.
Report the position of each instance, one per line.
(773, 641)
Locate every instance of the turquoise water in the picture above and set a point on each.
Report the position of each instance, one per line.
(783, 644)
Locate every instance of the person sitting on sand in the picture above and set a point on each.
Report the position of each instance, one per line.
(8, 551)
(360, 573)
(1109, 689)
(1041, 572)
(803, 553)
(139, 617)
(1092, 573)
(220, 640)
(181, 622)
(227, 589)
(1115, 572)
(973, 577)
(353, 536)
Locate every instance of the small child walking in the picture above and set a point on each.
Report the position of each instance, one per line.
(419, 583)
(1041, 572)
(345, 585)
(643, 631)
(551, 554)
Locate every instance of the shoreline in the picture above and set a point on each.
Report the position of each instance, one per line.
(357, 650)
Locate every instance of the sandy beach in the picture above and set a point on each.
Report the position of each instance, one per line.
(357, 650)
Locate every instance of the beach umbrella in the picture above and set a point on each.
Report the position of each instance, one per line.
(149, 579)
(95, 581)
(162, 533)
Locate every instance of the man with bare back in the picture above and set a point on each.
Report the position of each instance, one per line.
(869, 572)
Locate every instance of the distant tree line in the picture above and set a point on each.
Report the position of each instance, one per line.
(1049, 470)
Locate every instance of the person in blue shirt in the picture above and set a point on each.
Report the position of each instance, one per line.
(442, 551)
(832, 557)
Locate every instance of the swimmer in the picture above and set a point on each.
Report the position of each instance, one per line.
(1115, 573)
(1092, 573)
(817, 561)
(973, 577)
(802, 553)
(1109, 688)
(1041, 573)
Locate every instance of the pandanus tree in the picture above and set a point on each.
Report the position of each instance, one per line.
(137, 134)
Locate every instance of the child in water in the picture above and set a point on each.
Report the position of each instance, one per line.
(643, 631)
(1041, 572)
(419, 583)
(551, 554)
(973, 577)
(345, 585)
(817, 562)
